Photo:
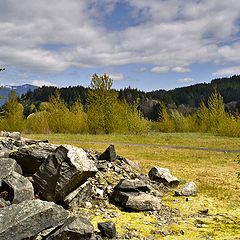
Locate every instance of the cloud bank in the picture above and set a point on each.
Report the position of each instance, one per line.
(51, 36)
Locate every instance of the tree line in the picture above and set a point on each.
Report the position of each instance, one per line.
(102, 109)
(185, 100)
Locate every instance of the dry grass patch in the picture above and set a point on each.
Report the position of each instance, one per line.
(214, 173)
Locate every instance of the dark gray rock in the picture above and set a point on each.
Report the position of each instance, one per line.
(75, 227)
(18, 188)
(134, 185)
(109, 154)
(107, 229)
(189, 189)
(163, 175)
(31, 157)
(136, 201)
(79, 196)
(28, 218)
(7, 166)
(13, 186)
(63, 172)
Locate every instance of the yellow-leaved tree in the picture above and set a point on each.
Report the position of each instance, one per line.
(12, 115)
(102, 101)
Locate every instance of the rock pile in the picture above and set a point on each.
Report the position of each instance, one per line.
(38, 181)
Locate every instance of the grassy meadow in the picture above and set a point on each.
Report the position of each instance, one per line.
(214, 172)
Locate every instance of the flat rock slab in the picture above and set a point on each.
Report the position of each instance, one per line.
(133, 185)
(136, 201)
(63, 171)
(163, 175)
(28, 218)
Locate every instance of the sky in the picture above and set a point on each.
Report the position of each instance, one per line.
(144, 44)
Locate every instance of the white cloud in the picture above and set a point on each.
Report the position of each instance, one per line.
(159, 69)
(43, 83)
(116, 76)
(181, 69)
(175, 33)
(165, 69)
(185, 80)
(235, 70)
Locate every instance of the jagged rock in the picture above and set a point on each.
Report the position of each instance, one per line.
(189, 189)
(75, 227)
(109, 154)
(134, 185)
(107, 229)
(13, 186)
(15, 135)
(79, 196)
(136, 201)
(31, 157)
(163, 175)
(18, 188)
(7, 166)
(28, 218)
(63, 172)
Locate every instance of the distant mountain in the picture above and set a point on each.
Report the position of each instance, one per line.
(20, 90)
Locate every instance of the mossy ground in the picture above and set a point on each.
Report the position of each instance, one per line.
(214, 173)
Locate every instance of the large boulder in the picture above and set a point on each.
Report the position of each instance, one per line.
(31, 157)
(24, 220)
(63, 171)
(163, 175)
(189, 189)
(136, 201)
(75, 227)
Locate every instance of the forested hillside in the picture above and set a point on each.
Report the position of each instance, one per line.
(186, 99)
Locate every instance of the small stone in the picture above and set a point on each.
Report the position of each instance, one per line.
(204, 211)
(163, 175)
(88, 205)
(107, 229)
(189, 189)
(99, 192)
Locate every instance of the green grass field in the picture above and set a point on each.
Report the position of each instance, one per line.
(214, 172)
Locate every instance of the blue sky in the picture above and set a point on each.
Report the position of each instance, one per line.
(149, 45)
